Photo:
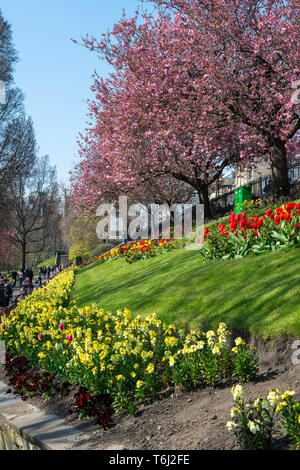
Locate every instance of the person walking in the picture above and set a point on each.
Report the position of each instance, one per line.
(27, 272)
(8, 291)
(30, 275)
(2, 293)
(14, 276)
(21, 277)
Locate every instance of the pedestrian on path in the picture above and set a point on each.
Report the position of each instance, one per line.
(2, 294)
(14, 276)
(8, 292)
(21, 277)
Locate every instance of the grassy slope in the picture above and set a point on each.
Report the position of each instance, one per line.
(260, 294)
(47, 262)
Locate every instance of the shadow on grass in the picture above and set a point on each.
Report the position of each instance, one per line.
(256, 292)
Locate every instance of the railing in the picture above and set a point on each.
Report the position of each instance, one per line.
(261, 188)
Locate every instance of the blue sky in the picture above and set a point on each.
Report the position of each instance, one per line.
(53, 72)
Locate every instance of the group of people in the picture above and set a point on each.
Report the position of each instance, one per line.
(46, 272)
(23, 277)
(25, 280)
(26, 283)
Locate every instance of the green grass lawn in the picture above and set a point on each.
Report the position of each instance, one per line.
(47, 262)
(258, 294)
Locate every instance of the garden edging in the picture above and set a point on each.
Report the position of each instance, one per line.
(24, 427)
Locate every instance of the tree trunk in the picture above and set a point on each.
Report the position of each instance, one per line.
(204, 199)
(279, 170)
(24, 256)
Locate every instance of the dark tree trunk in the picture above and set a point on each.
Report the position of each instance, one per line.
(204, 199)
(24, 256)
(279, 171)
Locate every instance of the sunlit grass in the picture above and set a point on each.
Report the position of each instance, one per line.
(258, 294)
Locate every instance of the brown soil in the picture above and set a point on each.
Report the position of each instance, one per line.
(182, 420)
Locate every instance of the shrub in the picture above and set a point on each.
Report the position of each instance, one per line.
(245, 361)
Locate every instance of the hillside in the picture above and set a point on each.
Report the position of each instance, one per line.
(257, 294)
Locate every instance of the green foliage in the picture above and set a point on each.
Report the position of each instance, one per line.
(79, 249)
(256, 423)
(290, 418)
(48, 262)
(102, 248)
(245, 363)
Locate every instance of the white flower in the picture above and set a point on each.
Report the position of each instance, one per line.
(237, 392)
(254, 428)
(216, 350)
(210, 334)
(230, 425)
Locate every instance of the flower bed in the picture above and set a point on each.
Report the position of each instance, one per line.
(27, 383)
(135, 251)
(126, 358)
(259, 234)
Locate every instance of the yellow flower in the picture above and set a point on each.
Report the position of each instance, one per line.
(171, 361)
(281, 406)
(287, 394)
(150, 368)
(274, 397)
(239, 341)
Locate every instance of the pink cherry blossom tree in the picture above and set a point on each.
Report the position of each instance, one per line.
(200, 87)
(250, 53)
(148, 123)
